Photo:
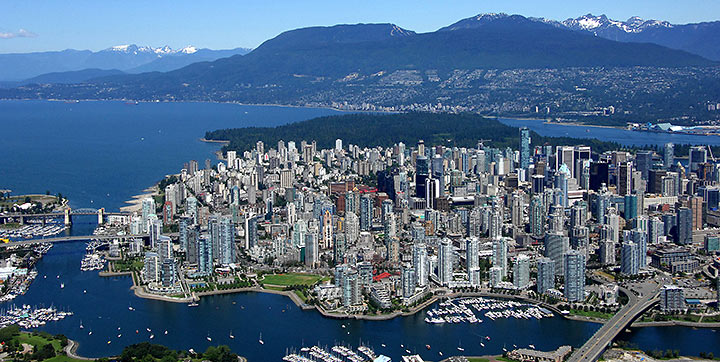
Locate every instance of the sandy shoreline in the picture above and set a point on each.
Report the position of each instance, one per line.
(135, 203)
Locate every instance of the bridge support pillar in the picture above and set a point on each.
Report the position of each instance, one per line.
(68, 218)
(101, 216)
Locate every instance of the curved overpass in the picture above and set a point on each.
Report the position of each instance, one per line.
(594, 347)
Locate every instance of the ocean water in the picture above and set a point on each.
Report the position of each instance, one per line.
(99, 154)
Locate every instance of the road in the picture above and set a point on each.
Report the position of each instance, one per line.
(594, 347)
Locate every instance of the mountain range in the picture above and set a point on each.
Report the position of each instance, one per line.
(492, 64)
(694, 38)
(17, 67)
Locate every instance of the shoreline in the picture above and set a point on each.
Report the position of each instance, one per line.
(135, 202)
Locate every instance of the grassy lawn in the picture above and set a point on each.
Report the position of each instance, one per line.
(291, 279)
(591, 314)
(37, 341)
(477, 359)
(501, 358)
(301, 295)
(606, 275)
(62, 359)
(272, 287)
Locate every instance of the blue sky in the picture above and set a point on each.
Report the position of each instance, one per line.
(39, 25)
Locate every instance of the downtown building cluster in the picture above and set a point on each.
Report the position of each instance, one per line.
(394, 225)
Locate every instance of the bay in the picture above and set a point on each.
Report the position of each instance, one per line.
(99, 154)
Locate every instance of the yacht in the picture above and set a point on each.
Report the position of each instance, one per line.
(261, 340)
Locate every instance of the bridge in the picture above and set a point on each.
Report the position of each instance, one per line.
(73, 238)
(595, 346)
(66, 215)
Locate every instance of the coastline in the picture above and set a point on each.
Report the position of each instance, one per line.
(135, 203)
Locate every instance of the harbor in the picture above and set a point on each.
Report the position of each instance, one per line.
(337, 353)
(29, 317)
(468, 310)
(32, 231)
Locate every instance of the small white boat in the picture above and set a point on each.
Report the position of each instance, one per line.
(208, 338)
(148, 329)
(382, 345)
(152, 336)
(131, 309)
(84, 291)
(119, 335)
(90, 333)
(166, 332)
(482, 344)
(62, 285)
(231, 335)
(532, 346)
(261, 340)
(461, 349)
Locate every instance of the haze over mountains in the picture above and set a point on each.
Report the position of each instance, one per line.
(124, 58)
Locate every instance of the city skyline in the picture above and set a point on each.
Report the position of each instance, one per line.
(51, 27)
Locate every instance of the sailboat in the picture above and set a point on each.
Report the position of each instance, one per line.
(208, 338)
(460, 347)
(81, 325)
(260, 340)
(231, 335)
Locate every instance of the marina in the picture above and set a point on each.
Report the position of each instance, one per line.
(28, 317)
(93, 260)
(33, 231)
(338, 353)
(468, 310)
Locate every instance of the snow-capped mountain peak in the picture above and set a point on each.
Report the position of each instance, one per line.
(594, 24)
(161, 51)
(188, 50)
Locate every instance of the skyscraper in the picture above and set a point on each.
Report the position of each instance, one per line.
(556, 244)
(420, 263)
(205, 255)
(684, 226)
(643, 160)
(524, 148)
(473, 253)
(669, 155)
(629, 265)
(226, 241)
(545, 275)
(408, 281)
(366, 213)
(499, 254)
(624, 178)
(537, 217)
(521, 271)
(445, 266)
(574, 276)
